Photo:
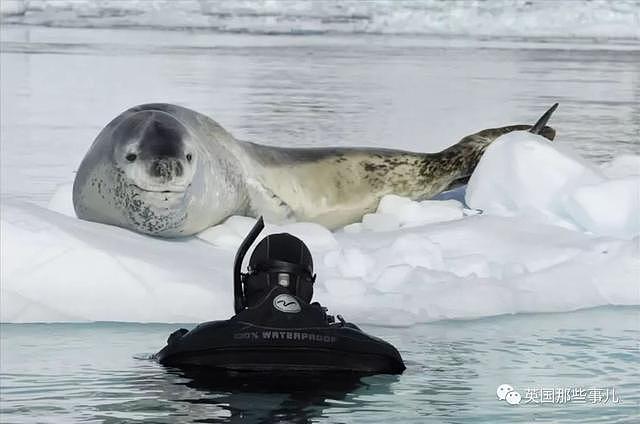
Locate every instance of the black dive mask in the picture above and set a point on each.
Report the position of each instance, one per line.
(278, 260)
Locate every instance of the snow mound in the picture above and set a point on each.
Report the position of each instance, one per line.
(230, 233)
(477, 267)
(611, 207)
(58, 268)
(55, 267)
(525, 174)
(395, 212)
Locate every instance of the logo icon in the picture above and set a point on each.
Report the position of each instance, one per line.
(507, 393)
(286, 303)
(513, 398)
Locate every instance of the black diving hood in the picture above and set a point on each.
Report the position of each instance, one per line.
(279, 330)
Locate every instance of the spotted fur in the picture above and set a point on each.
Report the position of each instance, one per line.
(332, 186)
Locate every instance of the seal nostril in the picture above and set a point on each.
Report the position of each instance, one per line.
(159, 169)
(189, 157)
(131, 157)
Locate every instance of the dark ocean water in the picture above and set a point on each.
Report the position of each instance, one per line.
(100, 373)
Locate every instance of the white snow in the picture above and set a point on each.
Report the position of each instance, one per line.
(231, 233)
(525, 174)
(556, 234)
(396, 212)
(611, 207)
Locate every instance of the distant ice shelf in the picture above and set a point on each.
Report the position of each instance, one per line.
(498, 18)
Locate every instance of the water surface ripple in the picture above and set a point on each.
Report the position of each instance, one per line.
(100, 372)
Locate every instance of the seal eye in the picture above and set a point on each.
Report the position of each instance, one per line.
(131, 157)
(189, 157)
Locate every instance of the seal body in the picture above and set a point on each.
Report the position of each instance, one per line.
(168, 171)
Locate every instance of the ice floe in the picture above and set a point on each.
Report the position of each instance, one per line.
(555, 234)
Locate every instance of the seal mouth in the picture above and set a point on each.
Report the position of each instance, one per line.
(161, 191)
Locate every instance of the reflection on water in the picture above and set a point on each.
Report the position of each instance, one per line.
(268, 398)
(89, 372)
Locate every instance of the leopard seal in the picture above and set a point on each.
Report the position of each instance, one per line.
(169, 171)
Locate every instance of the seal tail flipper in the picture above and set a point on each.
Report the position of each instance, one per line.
(475, 144)
(538, 127)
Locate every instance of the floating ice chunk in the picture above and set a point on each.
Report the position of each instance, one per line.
(17, 308)
(354, 228)
(391, 204)
(414, 250)
(393, 278)
(524, 173)
(59, 268)
(231, 232)
(396, 212)
(345, 287)
(411, 213)
(386, 266)
(380, 222)
(350, 262)
(513, 240)
(315, 236)
(221, 236)
(469, 265)
(432, 211)
(609, 208)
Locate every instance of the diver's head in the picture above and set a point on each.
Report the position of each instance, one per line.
(280, 260)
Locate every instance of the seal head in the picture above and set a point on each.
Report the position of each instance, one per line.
(144, 178)
(154, 152)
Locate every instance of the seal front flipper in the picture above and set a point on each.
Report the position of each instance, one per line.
(265, 201)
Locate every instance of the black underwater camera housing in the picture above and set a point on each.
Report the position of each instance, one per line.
(276, 328)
